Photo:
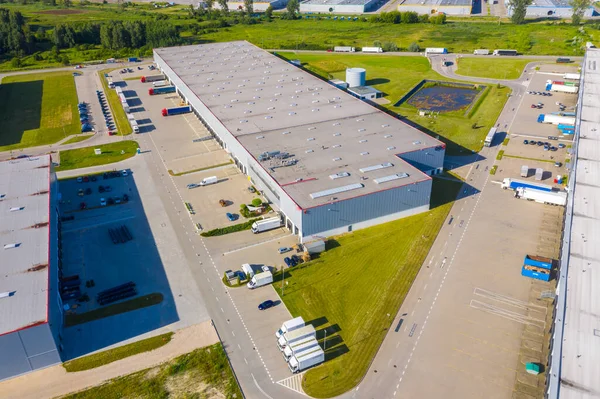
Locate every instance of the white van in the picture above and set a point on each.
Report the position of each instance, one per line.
(209, 180)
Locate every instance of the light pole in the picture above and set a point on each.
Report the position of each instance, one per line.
(283, 272)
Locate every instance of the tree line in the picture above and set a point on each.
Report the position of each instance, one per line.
(407, 17)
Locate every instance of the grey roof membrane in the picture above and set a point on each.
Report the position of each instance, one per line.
(24, 218)
(580, 368)
(437, 3)
(338, 2)
(272, 105)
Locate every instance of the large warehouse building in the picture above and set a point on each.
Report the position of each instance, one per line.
(574, 364)
(449, 7)
(338, 6)
(30, 307)
(549, 8)
(329, 163)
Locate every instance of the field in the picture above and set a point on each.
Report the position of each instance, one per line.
(112, 355)
(37, 109)
(351, 288)
(77, 139)
(85, 157)
(395, 76)
(493, 68)
(203, 373)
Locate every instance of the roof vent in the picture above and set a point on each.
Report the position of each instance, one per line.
(17, 208)
(376, 167)
(416, 142)
(260, 137)
(331, 191)
(339, 175)
(364, 153)
(385, 125)
(390, 178)
(336, 124)
(337, 134)
(310, 139)
(337, 106)
(312, 128)
(308, 151)
(270, 108)
(391, 148)
(360, 120)
(362, 141)
(9, 246)
(244, 121)
(286, 133)
(268, 117)
(387, 136)
(292, 113)
(337, 159)
(362, 129)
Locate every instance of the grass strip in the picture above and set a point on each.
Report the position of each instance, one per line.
(112, 355)
(123, 126)
(187, 172)
(493, 170)
(204, 372)
(229, 229)
(111, 310)
(499, 155)
(529, 159)
(86, 157)
(77, 139)
(505, 142)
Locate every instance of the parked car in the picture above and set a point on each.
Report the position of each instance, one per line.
(80, 179)
(558, 164)
(100, 189)
(293, 261)
(82, 206)
(540, 143)
(231, 216)
(288, 261)
(251, 189)
(266, 305)
(283, 250)
(222, 202)
(80, 192)
(123, 173)
(296, 259)
(93, 178)
(532, 142)
(525, 141)
(193, 185)
(125, 197)
(553, 148)
(88, 191)
(561, 145)
(533, 106)
(102, 202)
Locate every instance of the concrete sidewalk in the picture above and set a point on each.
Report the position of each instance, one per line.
(55, 381)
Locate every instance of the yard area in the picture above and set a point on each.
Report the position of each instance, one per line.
(493, 68)
(85, 157)
(363, 277)
(37, 109)
(462, 131)
(202, 373)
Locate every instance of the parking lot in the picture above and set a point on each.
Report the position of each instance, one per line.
(125, 241)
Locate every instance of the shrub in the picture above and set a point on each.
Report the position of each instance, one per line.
(256, 202)
(414, 48)
(230, 229)
(390, 46)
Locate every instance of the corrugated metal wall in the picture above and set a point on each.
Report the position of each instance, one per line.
(426, 160)
(366, 207)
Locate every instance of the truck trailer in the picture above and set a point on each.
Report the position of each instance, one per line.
(513, 184)
(260, 279)
(300, 347)
(160, 83)
(290, 325)
(266, 224)
(558, 198)
(556, 119)
(489, 139)
(524, 171)
(306, 360)
(176, 111)
(134, 126)
(372, 50)
(572, 76)
(481, 52)
(152, 78)
(161, 90)
(436, 50)
(295, 336)
(344, 49)
(562, 88)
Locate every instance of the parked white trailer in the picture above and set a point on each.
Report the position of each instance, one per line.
(372, 50)
(539, 174)
(524, 171)
(344, 49)
(160, 83)
(564, 89)
(557, 119)
(300, 347)
(306, 360)
(260, 279)
(266, 224)
(436, 50)
(295, 336)
(481, 52)
(290, 325)
(572, 76)
(543, 197)
(489, 139)
(134, 126)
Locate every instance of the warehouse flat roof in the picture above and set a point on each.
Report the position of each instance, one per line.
(24, 218)
(550, 3)
(437, 3)
(580, 366)
(338, 2)
(271, 105)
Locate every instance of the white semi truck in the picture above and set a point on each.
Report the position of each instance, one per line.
(372, 50)
(543, 197)
(296, 335)
(344, 49)
(260, 279)
(572, 76)
(290, 325)
(300, 347)
(266, 224)
(306, 360)
(481, 52)
(564, 88)
(556, 119)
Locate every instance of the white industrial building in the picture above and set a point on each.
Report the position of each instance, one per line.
(257, 6)
(337, 6)
(30, 307)
(365, 92)
(574, 364)
(448, 7)
(328, 162)
(549, 8)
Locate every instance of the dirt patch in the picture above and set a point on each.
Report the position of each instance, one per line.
(189, 384)
(61, 12)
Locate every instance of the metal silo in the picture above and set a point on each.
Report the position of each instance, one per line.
(356, 77)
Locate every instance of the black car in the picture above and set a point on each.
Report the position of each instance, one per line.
(266, 305)
(288, 261)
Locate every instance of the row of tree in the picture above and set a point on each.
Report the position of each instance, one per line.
(15, 36)
(408, 17)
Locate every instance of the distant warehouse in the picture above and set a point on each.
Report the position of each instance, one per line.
(338, 6)
(549, 8)
(258, 6)
(449, 7)
(329, 162)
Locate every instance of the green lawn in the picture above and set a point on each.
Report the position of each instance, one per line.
(395, 76)
(85, 157)
(123, 126)
(78, 138)
(351, 289)
(203, 373)
(112, 355)
(493, 68)
(37, 109)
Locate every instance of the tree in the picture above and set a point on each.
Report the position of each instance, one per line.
(292, 9)
(256, 202)
(15, 62)
(209, 4)
(519, 10)
(579, 8)
(248, 6)
(223, 5)
(414, 48)
(389, 46)
(269, 12)
(440, 19)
